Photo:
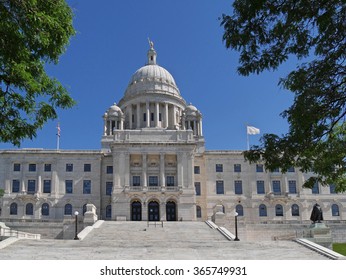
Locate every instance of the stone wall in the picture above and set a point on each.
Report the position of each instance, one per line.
(48, 230)
(283, 231)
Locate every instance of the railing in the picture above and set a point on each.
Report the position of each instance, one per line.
(154, 223)
(153, 188)
(8, 232)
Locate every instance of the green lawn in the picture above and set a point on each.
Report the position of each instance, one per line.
(340, 248)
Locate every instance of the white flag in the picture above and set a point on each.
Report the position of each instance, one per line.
(251, 130)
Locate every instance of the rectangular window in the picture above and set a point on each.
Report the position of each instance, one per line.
(136, 181)
(219, 187)
(198, 188)
(16, 167)
(276, 187)
(152, 117)
(170, 181)
(15, 186)
(31, 186)
(32, 167)
(47, 167)
(291, 169)
(219, 167)
(68, 186)
(260, 187)
(69, 167)
(237, 168)
(153, 181)
(160, 118)
(292, 186)
(332, 188)
(259, 168)
(315, 189)
(133, 118)
(144, 117)
(197, 170)
(238, 187)
(109, 188)
(276, 170)
(86, 187)
(109, 169)
(47, 186)
(87, 167)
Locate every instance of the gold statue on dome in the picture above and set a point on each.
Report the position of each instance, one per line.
(151, 44)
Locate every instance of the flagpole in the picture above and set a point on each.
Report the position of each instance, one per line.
(247, 136)
(58, 137)
(57, 142)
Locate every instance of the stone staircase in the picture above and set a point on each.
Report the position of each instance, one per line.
(136, 240)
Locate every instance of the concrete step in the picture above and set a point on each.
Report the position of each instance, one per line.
(175, 241)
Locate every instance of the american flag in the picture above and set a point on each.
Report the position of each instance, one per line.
(58, 128)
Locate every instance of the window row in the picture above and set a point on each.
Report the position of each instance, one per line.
(45, 209)
(47, 186)
(237, 168)
(47, 167)
(279, 211)
(275, 187)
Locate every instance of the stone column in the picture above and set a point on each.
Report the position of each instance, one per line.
(39, 184)
(166, 115)
(162, 170)
(190, 163)
(157, 112)
(144, 170)
(147, 113)
(23, 186)
(104, 126)
(130, 115)
(138, 115)
(180, 168)
(116, 177)
(200, 128)
(121, 122)
(127, 169)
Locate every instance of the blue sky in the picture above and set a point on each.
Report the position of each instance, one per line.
(111, 44)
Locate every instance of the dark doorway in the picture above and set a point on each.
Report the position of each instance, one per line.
(171, 211)
(136, 211)
(153, 211)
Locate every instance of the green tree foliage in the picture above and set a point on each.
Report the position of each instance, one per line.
(268, 33)
(32, 33)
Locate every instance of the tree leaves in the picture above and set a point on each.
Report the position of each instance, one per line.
(32, 33)
(266, 34)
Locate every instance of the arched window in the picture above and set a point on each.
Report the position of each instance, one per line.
(45, 209)
(240, 210)
(295, 210)
(262, 210)
(13, 208)
(335, 210)
(198, 211)
(109, 211)
(279, 211)
(84, 209)
(68, 209)
(29, 209)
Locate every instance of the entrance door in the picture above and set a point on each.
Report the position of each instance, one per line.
(171, 211)
(153, 211)
(136, 211)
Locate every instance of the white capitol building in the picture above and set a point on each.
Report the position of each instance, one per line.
(153, 166)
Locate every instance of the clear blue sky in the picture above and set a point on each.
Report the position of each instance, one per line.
(111, 44)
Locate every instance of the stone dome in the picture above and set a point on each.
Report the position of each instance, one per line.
(151, 78)
(114, 111)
